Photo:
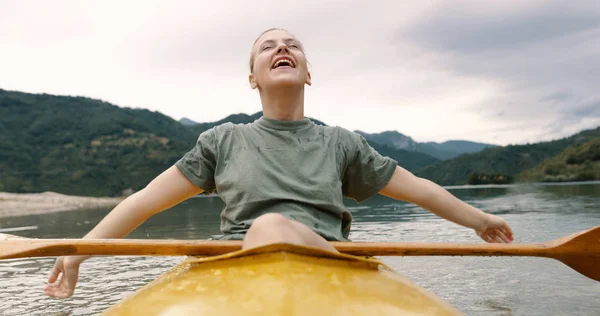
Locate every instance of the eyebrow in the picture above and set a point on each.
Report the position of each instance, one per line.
(287, 40)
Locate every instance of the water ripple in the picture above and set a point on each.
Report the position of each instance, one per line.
(476, 285)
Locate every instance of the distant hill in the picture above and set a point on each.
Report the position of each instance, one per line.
(578, 162)
(500, 162)
(410, 160)
(452, 148)
(442, 151)
(392, 139)
(82, 146)
(187, 121)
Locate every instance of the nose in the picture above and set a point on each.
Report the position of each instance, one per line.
(281, 48)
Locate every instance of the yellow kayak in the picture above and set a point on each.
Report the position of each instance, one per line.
(282, 279)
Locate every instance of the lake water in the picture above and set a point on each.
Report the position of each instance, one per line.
(476, 286)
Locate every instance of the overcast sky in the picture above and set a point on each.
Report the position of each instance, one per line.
(503, 72)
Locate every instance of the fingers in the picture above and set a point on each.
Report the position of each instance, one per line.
(501, 235)
(60, 289)
(62, 280)
(505, 230)
(54, 286)
(57, 292)
(499, 224)
(498, 240)
(486, 237)
(498, 231)
(508, 232)
(495, 236)
(54, 290)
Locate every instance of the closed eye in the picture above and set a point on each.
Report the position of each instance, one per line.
(265, 48)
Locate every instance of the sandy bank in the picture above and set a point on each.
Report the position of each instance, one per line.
(17, 204)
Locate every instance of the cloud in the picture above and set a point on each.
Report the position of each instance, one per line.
(475, 27)
(582, 110)
(541, 55)
(559, 96)
(499, 71)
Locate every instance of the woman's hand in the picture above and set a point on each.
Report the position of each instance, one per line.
(496, 230)
(64, 276)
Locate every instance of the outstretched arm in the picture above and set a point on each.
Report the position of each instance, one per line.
(168, 189)
(407, 187)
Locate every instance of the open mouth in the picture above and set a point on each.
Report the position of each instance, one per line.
(283, 63)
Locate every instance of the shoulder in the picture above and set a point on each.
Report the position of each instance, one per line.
(224, 128)
(228, 134)
(222, 131)
(349, 138)
(345, 132)
(215, 134)
(346, 142)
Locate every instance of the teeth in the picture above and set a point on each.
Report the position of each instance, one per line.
(283, 60)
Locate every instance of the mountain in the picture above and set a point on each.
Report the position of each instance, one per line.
(578, 162)
(82, 146)
(187, 121)
(442, 151)
(392, 139)
(500, 162)
(462, 146)
(452, 148)
(410, 160)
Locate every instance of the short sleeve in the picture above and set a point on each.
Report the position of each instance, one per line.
(366, 171)
(198, 165)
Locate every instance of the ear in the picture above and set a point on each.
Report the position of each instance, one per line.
(308, 79)
(252, 81)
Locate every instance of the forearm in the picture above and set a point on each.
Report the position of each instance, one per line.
(405, 186)
(165, 191)
(122, 220)
(442, 203)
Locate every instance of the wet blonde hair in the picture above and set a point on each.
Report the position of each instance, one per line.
(252, 53)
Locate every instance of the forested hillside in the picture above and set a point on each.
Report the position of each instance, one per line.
(82, 146)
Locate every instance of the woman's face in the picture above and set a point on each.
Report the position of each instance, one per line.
(279, 60)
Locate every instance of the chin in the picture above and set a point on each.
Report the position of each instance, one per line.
(286, 82)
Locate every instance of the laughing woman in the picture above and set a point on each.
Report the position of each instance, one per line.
(282, 178)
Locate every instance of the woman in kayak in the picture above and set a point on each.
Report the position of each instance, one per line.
(282, 178)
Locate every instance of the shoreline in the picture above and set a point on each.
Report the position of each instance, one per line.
(21, 204)
(518, 184)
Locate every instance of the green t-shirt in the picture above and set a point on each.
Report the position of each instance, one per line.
(296, 168)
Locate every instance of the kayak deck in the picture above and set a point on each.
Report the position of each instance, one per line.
(282, 279)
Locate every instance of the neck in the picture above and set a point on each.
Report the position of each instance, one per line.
(283, 103)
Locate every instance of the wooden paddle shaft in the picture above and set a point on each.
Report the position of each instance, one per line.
(442, 249)
(580, 251)
(19, 248)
